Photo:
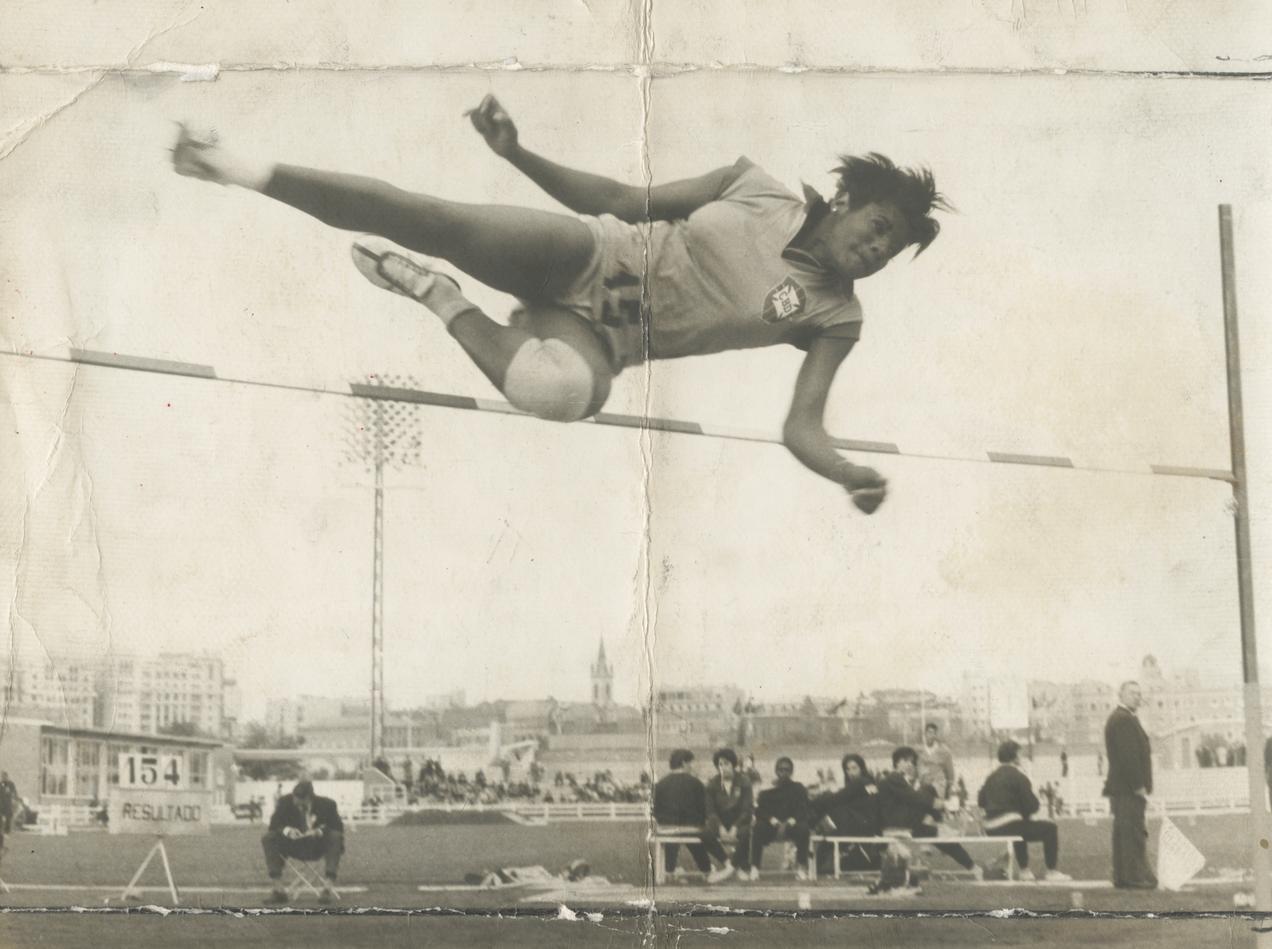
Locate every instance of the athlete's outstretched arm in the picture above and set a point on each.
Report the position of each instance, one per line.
(585, 193)
(805, 432)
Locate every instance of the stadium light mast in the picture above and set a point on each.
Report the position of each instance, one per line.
(381, 433)
(1261, 821)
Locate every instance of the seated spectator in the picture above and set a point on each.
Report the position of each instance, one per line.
(852, 811)
(906, 806)
(306, 827)
(680, 800)
(729, 809)
(1009, 803)
(782, 813)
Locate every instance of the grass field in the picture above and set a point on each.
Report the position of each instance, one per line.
(391, 863)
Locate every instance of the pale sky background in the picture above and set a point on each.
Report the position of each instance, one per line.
(1071, 307)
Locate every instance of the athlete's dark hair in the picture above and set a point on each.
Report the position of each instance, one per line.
(680, 757)
(725, 754)
(871, 178)
(861, 763)
(1008, 751)
(904, 753)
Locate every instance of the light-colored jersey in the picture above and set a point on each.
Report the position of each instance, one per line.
(724, 278)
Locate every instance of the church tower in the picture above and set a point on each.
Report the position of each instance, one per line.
(602, 680)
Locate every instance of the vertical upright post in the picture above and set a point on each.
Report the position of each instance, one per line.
(377, 596)
(1261, 820)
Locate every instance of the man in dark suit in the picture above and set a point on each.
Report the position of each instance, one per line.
(306, 827)
(1129, 783)
(680, 800)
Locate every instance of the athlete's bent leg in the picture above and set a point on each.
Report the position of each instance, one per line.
(561, 375)
(552, 365)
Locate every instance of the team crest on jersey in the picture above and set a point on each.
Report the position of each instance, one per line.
(784, 301)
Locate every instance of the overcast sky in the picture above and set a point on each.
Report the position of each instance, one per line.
(1071, 307)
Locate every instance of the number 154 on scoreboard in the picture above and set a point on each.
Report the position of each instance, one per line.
(161, 772)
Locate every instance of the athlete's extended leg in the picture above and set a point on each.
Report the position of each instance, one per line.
(520, 251)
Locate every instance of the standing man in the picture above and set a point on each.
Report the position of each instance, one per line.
(8, 803)
(782, 811)
(680, 800)
(306, 827)
(1129, 783)
(729, 805)
(936, 763)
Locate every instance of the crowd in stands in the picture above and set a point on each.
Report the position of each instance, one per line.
(913, 800)
(433, 784)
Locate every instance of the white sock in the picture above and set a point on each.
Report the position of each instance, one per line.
(441, 295)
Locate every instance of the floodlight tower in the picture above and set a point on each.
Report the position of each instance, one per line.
(381, 434)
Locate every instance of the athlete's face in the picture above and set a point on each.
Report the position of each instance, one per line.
(860, 242)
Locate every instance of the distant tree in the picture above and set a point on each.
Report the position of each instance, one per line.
(256, 735)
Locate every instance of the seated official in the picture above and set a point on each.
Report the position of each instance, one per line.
(906, 806)
(852, 811)
(680, 800)
(306, 827)
(1009, 803)
(729, 809)
(782, 813)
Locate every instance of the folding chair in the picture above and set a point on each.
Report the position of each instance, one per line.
(307, 877)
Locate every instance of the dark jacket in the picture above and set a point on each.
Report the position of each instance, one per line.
(729, 807)
(853, 810)
(784, 800)
(1007, 791)
(903, 805)
(680, 800)
(1130, 755)
(287, 814)
(8, 798)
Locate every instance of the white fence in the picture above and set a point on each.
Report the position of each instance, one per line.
(601, 811)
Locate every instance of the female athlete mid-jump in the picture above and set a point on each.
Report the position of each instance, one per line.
(728, 260)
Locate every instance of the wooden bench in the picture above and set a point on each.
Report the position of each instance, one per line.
(863, 842)
(687, 836)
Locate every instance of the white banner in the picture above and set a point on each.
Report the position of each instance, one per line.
(1178, 861)
(1008, 704)
(163, 813)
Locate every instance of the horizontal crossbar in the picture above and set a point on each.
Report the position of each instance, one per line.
(362, 390)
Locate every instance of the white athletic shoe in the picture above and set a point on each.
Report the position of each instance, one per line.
(719, 876)
(753, 875)
(801, 873)
(390, 268)
(1056, 876)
